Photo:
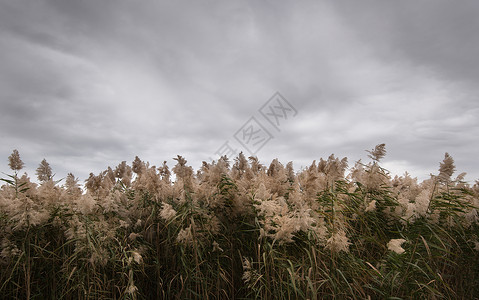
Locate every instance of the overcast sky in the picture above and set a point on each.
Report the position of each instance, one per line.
(88, 84)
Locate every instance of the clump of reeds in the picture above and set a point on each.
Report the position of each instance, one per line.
(239, 229)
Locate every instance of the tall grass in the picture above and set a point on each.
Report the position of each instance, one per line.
(239, 230)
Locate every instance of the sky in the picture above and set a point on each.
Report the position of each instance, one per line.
(88, 84)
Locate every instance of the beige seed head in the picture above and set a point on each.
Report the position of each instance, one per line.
(14, 161)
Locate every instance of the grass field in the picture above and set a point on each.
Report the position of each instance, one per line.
(240, 230)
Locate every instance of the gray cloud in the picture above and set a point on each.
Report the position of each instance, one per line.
(435, 34)
(88, 84)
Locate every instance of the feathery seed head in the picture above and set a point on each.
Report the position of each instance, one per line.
(14, 161)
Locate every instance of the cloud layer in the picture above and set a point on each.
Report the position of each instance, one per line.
(87, 84)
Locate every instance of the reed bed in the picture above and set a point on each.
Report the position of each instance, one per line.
(239, 230)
